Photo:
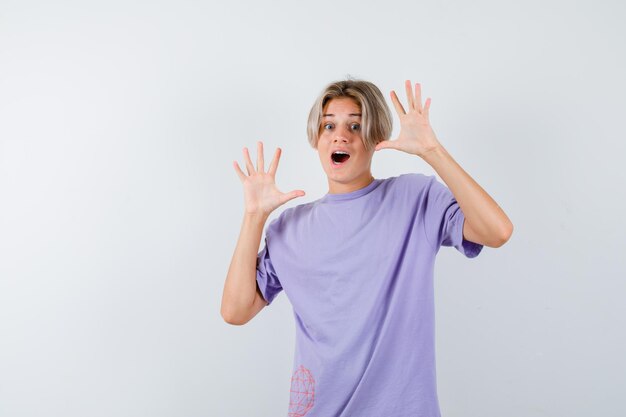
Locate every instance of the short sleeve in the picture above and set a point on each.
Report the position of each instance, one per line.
(266, 277)
(443, 220)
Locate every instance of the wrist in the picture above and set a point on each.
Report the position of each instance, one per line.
(255, 216)
(432, 156)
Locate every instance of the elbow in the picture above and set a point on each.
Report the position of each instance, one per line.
(504, 235)
(233, 319)
(235, 322)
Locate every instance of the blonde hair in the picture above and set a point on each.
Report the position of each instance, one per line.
(376, 118)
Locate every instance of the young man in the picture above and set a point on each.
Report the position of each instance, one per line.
(357, 264)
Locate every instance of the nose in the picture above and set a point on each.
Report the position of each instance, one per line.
(340, 137)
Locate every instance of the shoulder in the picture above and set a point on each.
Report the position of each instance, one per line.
(412, 182)
(416, 178)
(289, 217)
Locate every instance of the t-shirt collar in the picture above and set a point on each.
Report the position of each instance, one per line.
(352, 194)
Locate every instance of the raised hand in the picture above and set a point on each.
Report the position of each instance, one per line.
(261, 194)
(416, 135)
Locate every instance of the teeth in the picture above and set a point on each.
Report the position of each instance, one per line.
(341, 152)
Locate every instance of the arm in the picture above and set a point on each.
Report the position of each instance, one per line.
(241, 300)
(485, 222)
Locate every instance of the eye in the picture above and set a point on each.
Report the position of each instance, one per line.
(328, 126)
(355, 126)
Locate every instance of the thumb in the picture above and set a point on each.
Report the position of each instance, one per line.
(291, 195)
(385, 144)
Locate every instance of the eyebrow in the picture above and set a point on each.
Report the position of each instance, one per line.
(351, 114)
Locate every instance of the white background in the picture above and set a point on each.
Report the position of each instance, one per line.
(120, 208)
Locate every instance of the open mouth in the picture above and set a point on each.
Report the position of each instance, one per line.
(339, 157)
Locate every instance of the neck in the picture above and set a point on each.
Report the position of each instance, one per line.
(335, 187)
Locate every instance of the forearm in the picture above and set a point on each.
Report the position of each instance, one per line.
(240, 286)
(485, 217)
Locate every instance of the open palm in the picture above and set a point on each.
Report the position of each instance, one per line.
(260, 191)
(416, 135)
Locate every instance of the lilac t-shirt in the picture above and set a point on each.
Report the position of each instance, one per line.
(358, 269)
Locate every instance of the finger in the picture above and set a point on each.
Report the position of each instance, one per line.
(291, 195)
(409, 95)
(427, 108)
(249, 165)
(259, 158)
(239, 172)
(418, 97)
(385, 144)
(274, 164)
(396, 103)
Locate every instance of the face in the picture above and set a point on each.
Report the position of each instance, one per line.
(340, 130)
